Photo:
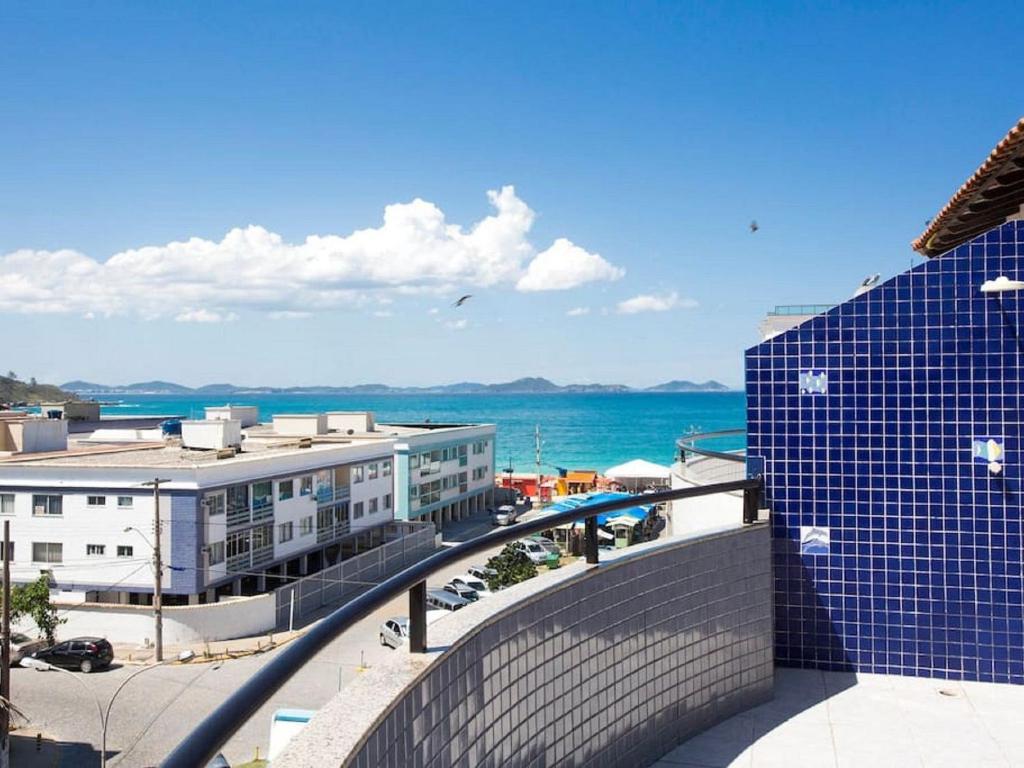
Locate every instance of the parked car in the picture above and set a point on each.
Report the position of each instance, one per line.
(547, 543)
(475, 583)
(440, 600)
(83, 653)
(394, 633)
(533, 549)
(466, 593)
(481, 572)
(506, 515)
(23, 645)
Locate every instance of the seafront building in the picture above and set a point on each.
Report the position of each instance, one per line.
(243, 505)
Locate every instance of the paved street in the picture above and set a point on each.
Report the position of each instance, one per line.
(157, 709)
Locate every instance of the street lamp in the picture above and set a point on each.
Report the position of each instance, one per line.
(42, 666)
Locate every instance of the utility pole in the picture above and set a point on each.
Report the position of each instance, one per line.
(5, 652)
(540, 477)
(158, 569)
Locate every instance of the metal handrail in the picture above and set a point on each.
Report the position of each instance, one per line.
(687, 444)
(202, 744)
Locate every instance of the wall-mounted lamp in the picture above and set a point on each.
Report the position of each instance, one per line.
(1001, 284)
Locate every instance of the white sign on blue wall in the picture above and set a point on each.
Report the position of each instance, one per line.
(814, 540)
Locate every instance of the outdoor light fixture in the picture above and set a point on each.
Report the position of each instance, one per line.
(1001, 284)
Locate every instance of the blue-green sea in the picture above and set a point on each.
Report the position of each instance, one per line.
(593, 431)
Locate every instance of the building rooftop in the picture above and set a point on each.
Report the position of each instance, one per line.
(993, 193)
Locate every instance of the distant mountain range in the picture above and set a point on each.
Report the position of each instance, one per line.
(525, 386)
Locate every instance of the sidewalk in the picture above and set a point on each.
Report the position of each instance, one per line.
(211, 651)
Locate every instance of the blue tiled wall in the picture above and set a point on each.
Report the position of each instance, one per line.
(918, 568)
(185, 544)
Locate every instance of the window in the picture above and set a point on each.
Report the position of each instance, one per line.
(371, 471)
(3, 554)
(357, 510)
(414, 461)
(217, 552)
(6, 503)
(237, 544)
(96, 501)
(261, 494)
(285, 532)
(479, 447)
(214, 504)
(125, 501)
(125, 551)
(306, 526)
(479, 473)
(47, 552)
(263, 536)
(47, 506)
(387, 501)
(306, 485)
(95, 550)
(371, 506)
(285, 490)
(385, 468)
(357, 474)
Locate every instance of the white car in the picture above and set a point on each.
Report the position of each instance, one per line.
(481, 572)
(478, 585)
(533, 549)
(506, 515)
(394, 633)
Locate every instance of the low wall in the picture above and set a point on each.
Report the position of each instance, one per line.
(604, 666)
(341, 582)
(247, 616)
(704, 512)
(183, 625)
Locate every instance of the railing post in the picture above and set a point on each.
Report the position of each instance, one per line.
(590, 540)
(750, 504)
(418, 618)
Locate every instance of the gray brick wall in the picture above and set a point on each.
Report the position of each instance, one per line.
(614, 668)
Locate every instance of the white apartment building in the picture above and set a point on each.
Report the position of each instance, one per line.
(243, 505)
(238, 508)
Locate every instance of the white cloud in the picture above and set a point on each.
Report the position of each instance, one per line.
(287, 314)
(433, 311)
(566, 265)
(455, 325)
(415, 250)
(578, 311)
(383, 313)
(204, 316)
(646, 302)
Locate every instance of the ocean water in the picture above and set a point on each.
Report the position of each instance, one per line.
(581, 431)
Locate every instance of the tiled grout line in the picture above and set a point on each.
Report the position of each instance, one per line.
(913, 738)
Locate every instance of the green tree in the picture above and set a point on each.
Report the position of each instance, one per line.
(12, 375)
(32, 382)
(33, 600)
(511, 566)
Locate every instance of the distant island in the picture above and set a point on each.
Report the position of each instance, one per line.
(14, 390)
(525, 386)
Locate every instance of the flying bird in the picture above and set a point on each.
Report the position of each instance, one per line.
(754, 227)
(463, 300)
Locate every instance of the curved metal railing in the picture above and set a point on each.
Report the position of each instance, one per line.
(687, 444)
(203, 743)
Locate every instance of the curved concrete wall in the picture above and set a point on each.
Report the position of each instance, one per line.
(613, 667)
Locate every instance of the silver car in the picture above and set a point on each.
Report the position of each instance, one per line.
(23, 645)
(506, 515)
(394, 633)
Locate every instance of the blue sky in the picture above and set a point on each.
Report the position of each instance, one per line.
(640, 139)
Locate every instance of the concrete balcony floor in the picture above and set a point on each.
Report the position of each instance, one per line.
(838, 720)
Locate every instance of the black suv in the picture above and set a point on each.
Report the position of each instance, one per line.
(84, 653)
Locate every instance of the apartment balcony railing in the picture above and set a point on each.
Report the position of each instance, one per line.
(238, 562)
(342, 493)
(237, 516)
(262, 556)
(324, 494)
(324, 533)
(202, 744)
(689, 445)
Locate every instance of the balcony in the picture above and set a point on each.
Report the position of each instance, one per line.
(604, 626)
